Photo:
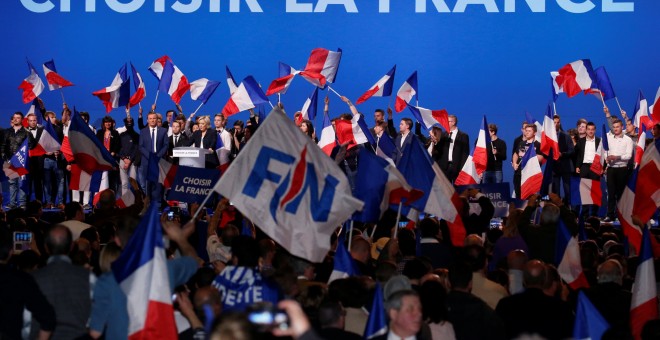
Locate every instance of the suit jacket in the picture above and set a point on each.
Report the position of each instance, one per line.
(579, 157)
(459, 155)
(210, 140)
(565, 163)
(182, 141)
(146, 146)
(398, 150)
(115, 141)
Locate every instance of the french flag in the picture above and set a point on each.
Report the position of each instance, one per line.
(343, 266)
(247, 96)
(475, 165)
(17, 165)
(166, 172)
(377, 322)
(328, 139)
(641, 144)
(598, 164)
(222, 153)
(376, 183)
(589, 323)
(468, 174)
(127, 199)
(281, 84)
(202, 89)
(624, 211)
(406, 92)
(602, 87)
(55, 81)
(440, 197)
(172, 80)
(322, 67)
(83, 181)
(382, 88)
(556, 88)
(567, 253)
(644, 304)
(117, 94)
(641, 111)
(654, 109)
(48, 141)
(429, 118)
(351, 132)
(585, 191)
(32, 86)
(385, 147)
(549, 140)
(87, 150)
(576, 77)
(140, 90)
(647, 196)
(141, 272)
(231, 83)
(34, 111)
(105, 184)
(531, 175)
(310, 107)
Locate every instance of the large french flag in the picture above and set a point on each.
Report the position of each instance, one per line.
(172, 80)
(377, 322)
(351, 132)
(281, 84)
(406, 92)
(598, 164)
(328, 139)
(585, 191)
(87, 150)
(647, 197)
(141, 272)
(476, 164)
(83, 181)
(576, 77)
(567, 253)
(382, 88)
(644, 304)
(624, 210)
(589, 323)
(140, 90)
(55, 81)
(32, 86)
(641, 144)
(48, 141)
(378, 183)
(17, 165)
(231, 83)
(468, 174)
(310, 107)
(641, 111)
(429, 118)
(440, 197)
(118, 93)
(549, 140)
(322, 66)
(531, 174)
(247, 96)
(385, 147)
(127, 199)
(202, 89)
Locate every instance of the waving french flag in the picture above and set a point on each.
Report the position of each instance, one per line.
(32, 86)
(531, 175)
(468, 174)
(89, 154)
(310, 107)
(328, 139)
(166, 172)
(556, 88)
(48, 141)
(644, 304)
(140, 90)
(202, 89)
(55, 81)
(385, 147)
(322, 67)
(641, 144)
(351, 132)
(382, 88)
(83, 181)
(141, 272)
(654, 110)
(585, 191)
(576, 77)
(589, 323)
(343, 265)
(602, 87)
(281, 84)
(406, 92)
(247, 96)
(624, 210)
(429, 118)
(17, 165)
(567, 253)
(476, 163)
(118, 93)
(172, 80)
(231, 83)
(598, 164)
(549, 140)
(648, 186)
(641, 116)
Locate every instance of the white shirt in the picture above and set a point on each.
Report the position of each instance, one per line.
(392, 336)
(226, 139)
(452, 137)
(620, 146)
(589, 151)
(403, 138)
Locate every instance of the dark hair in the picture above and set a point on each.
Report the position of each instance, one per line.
(460, 275)
(475, 256)
(591, 124)
(330, 312)
(380, 110)
(415, 269)
(433, 296)
(6, 243)
(238, 123)
(90, 234)
(429, 227)
(409, 122)
(246, 250)
(310, 126)
(108, 119)
(18, 113)
(71, 209)
(581, 121)
(493, 128)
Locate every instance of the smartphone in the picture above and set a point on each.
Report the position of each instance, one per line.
(170, 216)
(545, 198)
(267, 319)
(22, 240)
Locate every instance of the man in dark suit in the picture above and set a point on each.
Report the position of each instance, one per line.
(563, 168)
(454, 148)
(177, 139)
(379, 115)
(402, 139)
(35, 163)
(585, 151)
(153, 144)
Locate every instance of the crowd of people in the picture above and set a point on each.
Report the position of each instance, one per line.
(501, 283)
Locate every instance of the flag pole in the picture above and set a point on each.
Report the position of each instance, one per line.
(62, 93)
(199, 107)
(271, 105)
(156, 100)
(333, 90)
(554, 107)
(398, 218)
(201, 206)
(617, 103)
(350, 236)
(373, 231)
(279, 98)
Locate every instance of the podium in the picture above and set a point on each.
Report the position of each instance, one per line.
(190, 156)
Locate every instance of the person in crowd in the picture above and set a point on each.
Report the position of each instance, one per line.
(35, 163)
(620, 153)
(585, 153)
(54, 164)
(206, 139)
(308, 128)
(581, 127)
(528, 140)
(404, 310)
(609, 296)
(402, 139)
(434, 310)
(510, 240)
(153, 146)
(455, 148)
(129, 155)
(332, 317)
(109, 137)
(12, 140)
(483, 288)
(563, 168)
(496, 152)
(220, 121)
(432, 245)
(74, 219)
(177, 139)
(379, 115)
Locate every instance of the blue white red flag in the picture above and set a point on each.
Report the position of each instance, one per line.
(556, 88)
(589, 323)
(654, 110)
(247, 96)
(549, 140)
(17, 165)
(476, 164)
(48, 141)
(576, 77)
(55, 81)
(89, 154)
(429, 118)
(141, 272)
(328, 138)
(34, 109)
(284, 180)
(385, 147)
(641, 111)
(231, 83)
(127, 199)
(343, 265)
(531, 175)
(406, 92)
(281, 84)
(32, 86)
(351, 132)
(567, 258)
(310, 107)
(644, 303)
(641, 144)
(382, 88)
(172, 80)
(602, 87)
(166, 172)
(83, 181)
(647, 197)
(322, 67)
(586, 191)
(624, 210)
(598, 164)
(140, 90)
(377, 322)
(118, 93)
(202, 89)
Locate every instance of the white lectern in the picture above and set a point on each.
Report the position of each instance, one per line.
(190, 156)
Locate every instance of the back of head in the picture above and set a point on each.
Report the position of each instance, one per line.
(33, 208)
(330, 313)
(109, 254)
(610, 271)
(71, 209)
(429, 227)
(395, 300)
(407, 242)
(126, 226)
(107, 199)
(516, 259)
(475, 256)
(460, 275)
(59, 240)
(535, 274)
(246, 251)
(549, 214)
(433, 296)
(233, 326)
(415, 269)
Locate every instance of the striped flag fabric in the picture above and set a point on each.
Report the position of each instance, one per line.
(55, 81)
(202, 89)
(32, 86)
(406, 92)
(641, 111)
(624, 210)
(322, 66)
(429, 118)
(140, 90)
(647, 197)
(382, 88)
(589, 323)
(247, 96)
(531, 175)
(83, 181)
(377, 322)
(576, 77)
(598, 164)
(654, 110)
(118, 93)
(48, 141)
(88, 152)
(549, 140)
(17, 165)
(641, 144)
(282, 83)
(351, 132)
(567, 258)
(328, 139)
(476, 163)
(310, 107)
(585, 191)
(231, 83)
(556, 88)
(166, 172)
(343, 265)
(644, 304)
(602, 87)
(172, 80)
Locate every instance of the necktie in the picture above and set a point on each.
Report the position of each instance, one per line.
(176, 140)
(153, 138)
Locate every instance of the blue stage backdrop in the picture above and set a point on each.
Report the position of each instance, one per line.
(473, 57)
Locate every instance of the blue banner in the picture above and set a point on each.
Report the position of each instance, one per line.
(192, 184)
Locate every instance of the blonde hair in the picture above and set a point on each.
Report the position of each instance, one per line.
(109, 254)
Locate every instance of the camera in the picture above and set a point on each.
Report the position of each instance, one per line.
(266, 318)
(545, 198)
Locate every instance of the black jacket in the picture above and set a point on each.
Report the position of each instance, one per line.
(11, 141)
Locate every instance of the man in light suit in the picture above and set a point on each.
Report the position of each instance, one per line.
(154, 144)
(402, 139)
(454, 149)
